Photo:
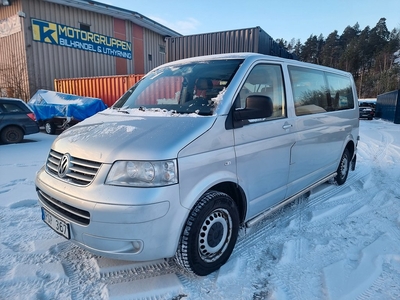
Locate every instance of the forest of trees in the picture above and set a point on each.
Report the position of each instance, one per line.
(372, 55)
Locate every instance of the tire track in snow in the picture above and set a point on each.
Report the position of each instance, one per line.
(33, 268)
(330, 257)
(385, 282)
(335, 252)
(294, 216)
(354, 204)
(105, 276)
(127, 273)
(262, 236)
(288, 213)
(73, 277)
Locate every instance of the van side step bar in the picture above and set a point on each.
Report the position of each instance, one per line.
(264, 214)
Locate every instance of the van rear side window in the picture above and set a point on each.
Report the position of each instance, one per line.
(318, 92)
(340, 91)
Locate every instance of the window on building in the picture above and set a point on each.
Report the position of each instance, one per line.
(84, 27)
(162, 49)
(150, 57)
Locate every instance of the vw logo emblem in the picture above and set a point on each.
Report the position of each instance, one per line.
(63, 165)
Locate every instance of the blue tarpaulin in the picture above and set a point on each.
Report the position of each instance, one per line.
(49, 104)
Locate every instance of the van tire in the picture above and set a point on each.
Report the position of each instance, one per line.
(209, 235)
(343, 169)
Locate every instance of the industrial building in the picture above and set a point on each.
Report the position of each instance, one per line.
(42, 40)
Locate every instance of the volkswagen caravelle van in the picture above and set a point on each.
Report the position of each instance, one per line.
(196, 150)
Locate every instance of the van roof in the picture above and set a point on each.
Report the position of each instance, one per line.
(255, 57)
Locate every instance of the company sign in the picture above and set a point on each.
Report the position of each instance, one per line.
(63, 35)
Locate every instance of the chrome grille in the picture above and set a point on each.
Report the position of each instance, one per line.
(80, 171)
(71, 213)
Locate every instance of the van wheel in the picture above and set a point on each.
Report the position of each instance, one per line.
(210, 234)
(50, 127)
(343, 169)
(11, 135)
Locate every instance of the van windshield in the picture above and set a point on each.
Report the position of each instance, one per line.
(184, 88)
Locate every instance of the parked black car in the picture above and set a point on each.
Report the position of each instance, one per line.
(367, 113)
(367, 110)
(16, 120)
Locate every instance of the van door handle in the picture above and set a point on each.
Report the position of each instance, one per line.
(287, 126)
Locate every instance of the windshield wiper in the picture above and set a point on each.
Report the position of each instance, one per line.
(123, 111)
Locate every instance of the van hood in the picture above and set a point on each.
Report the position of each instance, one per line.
(113, 135)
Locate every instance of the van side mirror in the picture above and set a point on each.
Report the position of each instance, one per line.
(257, 107)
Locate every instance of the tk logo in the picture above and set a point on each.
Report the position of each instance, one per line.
(44, 32)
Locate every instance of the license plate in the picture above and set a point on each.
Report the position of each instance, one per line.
(55, 223)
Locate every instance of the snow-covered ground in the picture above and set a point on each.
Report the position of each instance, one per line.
(343, 242)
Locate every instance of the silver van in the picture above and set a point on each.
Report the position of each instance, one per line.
(196, 150)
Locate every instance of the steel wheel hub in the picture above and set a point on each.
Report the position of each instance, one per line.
(343, 168)
(215, 234)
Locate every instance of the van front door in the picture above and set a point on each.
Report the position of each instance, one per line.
(263, 145)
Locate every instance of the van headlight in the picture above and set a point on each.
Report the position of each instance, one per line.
(143, 173)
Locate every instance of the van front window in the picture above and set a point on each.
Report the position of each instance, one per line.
(184, 88)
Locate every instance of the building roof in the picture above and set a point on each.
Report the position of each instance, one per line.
(121, 13)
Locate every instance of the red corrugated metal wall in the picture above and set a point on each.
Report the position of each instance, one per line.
(107, 88)
(120, 33)
(138, 49)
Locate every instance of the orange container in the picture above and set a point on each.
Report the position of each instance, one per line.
(107, 88)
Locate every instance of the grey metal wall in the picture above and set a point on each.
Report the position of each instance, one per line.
(152, 43)
(128, 30)
(13, 69)
(48, 62)
(241, 40)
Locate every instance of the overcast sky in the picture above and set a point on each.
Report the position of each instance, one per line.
(280, 19)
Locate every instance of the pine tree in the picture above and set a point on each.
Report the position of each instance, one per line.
(368, 54)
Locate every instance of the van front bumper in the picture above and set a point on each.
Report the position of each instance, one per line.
(146, 225)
